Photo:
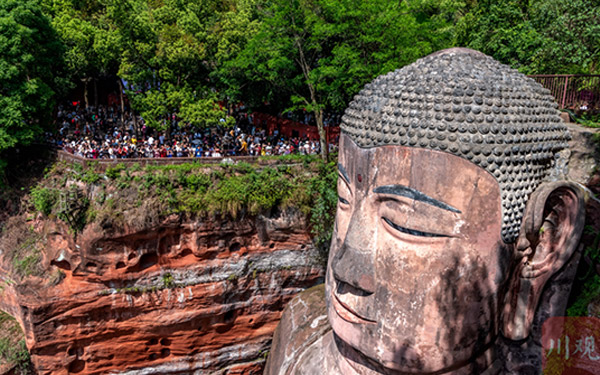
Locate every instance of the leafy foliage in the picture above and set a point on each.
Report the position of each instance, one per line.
(164, 59)
(315, 55)
(548, 36)
(44, 199)
(114, 172)
(256, 191)
(141, 197)
(588, 286)
(322, 214)
(30, 72)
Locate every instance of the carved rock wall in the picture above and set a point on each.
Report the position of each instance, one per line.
(195, 296)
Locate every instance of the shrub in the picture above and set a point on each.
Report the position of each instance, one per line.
(168, 281)
(322, 213)
(254, 191)
(115, 172)
(142, 198)
(90, 176)
(44, 199)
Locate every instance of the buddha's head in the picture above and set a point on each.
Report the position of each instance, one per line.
(451, 215)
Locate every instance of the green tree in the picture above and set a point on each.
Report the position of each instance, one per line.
(164, 59)
(316, 54)
(546, 36)
(571, 36)
(158, 50)
(234, 26)
(92, 46)
(502, 29)
(30, 65)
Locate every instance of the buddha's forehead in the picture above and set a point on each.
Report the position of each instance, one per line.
(440, 175)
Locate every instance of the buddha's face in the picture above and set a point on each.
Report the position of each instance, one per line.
(417, 263)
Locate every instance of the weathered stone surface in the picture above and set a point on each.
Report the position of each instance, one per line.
(304, 321)
(584, 158)
(199, 296)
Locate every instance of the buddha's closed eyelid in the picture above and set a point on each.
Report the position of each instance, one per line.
(412, 232)
(412, 217)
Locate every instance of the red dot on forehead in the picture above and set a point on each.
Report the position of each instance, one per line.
(359, 178)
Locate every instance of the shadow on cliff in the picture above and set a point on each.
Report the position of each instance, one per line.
(25, 167)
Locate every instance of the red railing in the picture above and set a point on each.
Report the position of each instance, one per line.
(572, 91)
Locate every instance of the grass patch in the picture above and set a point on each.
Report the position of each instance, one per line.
(140, 197)
(13, 351)
(22, 246)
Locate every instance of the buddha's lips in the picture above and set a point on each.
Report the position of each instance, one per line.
(347, 313)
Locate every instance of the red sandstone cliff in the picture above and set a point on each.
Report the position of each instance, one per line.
(197, 296)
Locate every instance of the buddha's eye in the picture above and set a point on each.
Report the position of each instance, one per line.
(404, 217)
(344, 192)
(412, 232)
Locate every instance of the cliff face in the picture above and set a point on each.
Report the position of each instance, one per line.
(187, 296)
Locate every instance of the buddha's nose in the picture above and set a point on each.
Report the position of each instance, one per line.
(353, 263)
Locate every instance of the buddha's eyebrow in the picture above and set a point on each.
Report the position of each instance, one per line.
(405, 191)
(343, 173)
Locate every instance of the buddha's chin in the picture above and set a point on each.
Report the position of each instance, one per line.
(362, 350)
(412, 362)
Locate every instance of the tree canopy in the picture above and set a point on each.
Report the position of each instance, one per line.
(187, 57)
(316, 54)
(536, 37)
(30, 71)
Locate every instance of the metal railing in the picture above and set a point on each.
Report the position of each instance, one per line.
(102, 164)
(572, 91)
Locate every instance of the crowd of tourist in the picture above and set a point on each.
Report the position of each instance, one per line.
(100, 133)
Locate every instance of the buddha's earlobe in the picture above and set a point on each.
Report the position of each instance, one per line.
(551, 229)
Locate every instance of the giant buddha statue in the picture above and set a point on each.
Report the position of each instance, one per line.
(453, 219)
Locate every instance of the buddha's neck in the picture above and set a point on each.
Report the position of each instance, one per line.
(351, 362)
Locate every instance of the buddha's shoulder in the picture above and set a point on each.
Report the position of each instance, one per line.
(302, 327)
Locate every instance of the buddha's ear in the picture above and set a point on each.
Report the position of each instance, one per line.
(550, 232)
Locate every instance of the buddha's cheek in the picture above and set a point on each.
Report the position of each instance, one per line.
(405, 284)
(428, 305)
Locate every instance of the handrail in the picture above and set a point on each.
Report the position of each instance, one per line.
(572, 91)
(63, 155)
